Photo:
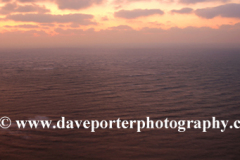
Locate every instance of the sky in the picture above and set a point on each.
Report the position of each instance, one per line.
(73, 23)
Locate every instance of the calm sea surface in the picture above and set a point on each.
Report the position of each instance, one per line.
(120, 83)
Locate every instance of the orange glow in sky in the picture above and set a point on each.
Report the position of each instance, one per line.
(82, 17)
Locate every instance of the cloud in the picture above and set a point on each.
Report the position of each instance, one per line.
(28, 26)
(61, 31)
(32, 8)
(121, 28)
(8, 8)
(182, 11)
(231, 10)
(76, 4)
(82, 19)
(23, 1)
(67, 4)
(5, 1)
(198, 1)
(47, 24)
(155, 24)
(69, 31)
(117, 7)
(128, 1)
(131, 14)
(119, 2)
(13, 7)
(104, 18)
(31, 1)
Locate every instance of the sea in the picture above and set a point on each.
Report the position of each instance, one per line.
(178, 83)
